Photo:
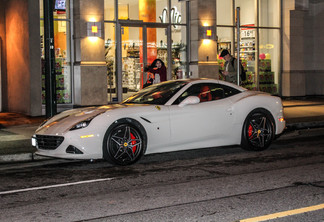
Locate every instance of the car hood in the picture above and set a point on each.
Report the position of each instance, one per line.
(66, 120)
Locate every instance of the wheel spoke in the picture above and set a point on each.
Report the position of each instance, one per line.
(261, 141)
(253, 135)
(264, 121)
(254, 125)
(254, 138)
(117, 140)
(130, 153)
(135, 142)
(127, 134)
(121, 151)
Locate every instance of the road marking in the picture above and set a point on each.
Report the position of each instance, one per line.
(54, 186)
(284, 213)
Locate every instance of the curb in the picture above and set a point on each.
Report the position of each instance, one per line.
(304, 125)
(21, 157)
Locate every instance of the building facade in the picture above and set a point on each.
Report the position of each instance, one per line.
(102, 47)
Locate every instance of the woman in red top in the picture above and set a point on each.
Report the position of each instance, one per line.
(159, 70)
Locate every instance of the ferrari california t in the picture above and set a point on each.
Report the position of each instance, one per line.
(169, 116)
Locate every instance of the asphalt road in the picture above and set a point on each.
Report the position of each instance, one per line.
(285, 182)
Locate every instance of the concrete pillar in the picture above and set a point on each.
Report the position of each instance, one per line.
(315, 80)
(90, 72)
(23, 62)
(203, 53)
(3, 72)
(303, 69)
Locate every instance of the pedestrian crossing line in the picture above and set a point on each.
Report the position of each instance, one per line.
(284, 213)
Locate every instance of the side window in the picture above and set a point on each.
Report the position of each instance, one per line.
(229, 91)
(219, 91)
(191, 91)
(207, 92)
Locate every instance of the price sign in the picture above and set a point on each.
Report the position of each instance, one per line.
(247, 33)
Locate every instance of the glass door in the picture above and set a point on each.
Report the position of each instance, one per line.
(133, 59)
(139, 47)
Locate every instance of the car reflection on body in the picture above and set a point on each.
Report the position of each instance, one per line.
(169, 116)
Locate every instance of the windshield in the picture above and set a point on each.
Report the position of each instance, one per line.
(157, 94)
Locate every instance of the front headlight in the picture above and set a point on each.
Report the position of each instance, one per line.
(82, 124)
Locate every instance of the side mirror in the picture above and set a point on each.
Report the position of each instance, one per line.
(190, 100)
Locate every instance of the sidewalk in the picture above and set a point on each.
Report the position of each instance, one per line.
(304, 113)
(16, 129)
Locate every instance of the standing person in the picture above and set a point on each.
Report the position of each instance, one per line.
(230, 67)
(159, 70)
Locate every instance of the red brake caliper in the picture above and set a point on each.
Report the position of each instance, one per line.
(133, 142)
(250, 131)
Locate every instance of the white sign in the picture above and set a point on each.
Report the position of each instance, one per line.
(246, 33)
(175, 16)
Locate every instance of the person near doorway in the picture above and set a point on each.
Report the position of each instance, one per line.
(159, 71)
(230, 67)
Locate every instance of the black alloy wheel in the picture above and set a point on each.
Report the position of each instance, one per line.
(124, 145)
(258, 131)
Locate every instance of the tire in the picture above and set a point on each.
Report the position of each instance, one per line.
(124, 142)
(258, 130)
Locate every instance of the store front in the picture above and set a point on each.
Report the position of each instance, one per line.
(279, 46)
(143, 27)
(145, 30)
(135, 33)
(260, 40)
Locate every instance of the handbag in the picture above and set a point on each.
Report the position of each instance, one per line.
(149, 80)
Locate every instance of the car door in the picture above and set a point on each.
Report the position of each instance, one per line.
(205, 124)
(156, 121)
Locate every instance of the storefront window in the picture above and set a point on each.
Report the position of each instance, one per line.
(269, 13)
(161, 46)
(146, 10)
(110, 57)
(178, 12)
(179, 52)
(134, 15)
(266, 55)
(224, 10)
(62, 52)
(248, 56)
(269, 66)
(132, 60)
(225, 41)
(109, 10)
(247, 12)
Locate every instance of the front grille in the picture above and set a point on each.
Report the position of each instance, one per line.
(48, 142)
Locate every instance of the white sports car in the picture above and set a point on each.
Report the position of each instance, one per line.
(169, 116)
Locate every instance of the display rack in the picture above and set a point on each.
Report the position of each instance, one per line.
(63, 92)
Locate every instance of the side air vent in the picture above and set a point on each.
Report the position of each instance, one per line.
(73, 150)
